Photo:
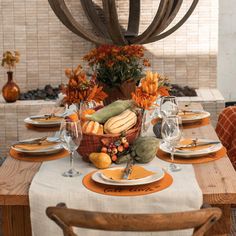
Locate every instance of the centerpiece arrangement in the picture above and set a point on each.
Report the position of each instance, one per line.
(117, 68)
(110, 132)
(10, 91)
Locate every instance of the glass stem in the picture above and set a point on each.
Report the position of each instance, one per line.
(172, 153)
(72, 160)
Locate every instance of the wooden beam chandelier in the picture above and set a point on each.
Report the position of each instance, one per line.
(110, 30)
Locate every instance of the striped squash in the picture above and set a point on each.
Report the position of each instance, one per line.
(123, 122)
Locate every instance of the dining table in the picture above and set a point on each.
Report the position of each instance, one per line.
(216, 179)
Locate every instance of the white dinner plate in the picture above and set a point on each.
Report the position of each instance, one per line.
(46, 123)
(97, 177)
(190, 153)
(46, 151)
(199, 115)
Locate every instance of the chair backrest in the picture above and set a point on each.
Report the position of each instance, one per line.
(200, 220)
(226, 131)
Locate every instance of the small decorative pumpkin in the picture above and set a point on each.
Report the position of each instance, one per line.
(92, 127)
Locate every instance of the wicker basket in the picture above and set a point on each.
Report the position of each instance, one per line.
(92, 143)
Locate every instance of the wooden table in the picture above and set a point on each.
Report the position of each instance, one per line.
(217, 181)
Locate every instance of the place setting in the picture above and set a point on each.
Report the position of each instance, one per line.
(190, 118)
(38, 149)
(45, 122)
(194, 118)
(177, 149)
(132, 180)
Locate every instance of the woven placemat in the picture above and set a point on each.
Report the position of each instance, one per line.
(32, 158)
(137, 190)
(196, 160)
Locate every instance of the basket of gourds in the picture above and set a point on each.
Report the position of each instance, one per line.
(108, 125)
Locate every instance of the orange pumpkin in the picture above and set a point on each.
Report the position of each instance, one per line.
(92, 127)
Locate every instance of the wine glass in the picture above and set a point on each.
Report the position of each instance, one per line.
(85, 105)
(169, 106)
(171, 134)
(71, 136)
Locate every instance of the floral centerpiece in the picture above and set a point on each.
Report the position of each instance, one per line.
(10, 90)
(118, 68)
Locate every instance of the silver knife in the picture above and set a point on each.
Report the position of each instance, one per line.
(128, 169)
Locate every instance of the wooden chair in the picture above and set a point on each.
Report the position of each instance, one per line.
(226, 131)
(200, 220)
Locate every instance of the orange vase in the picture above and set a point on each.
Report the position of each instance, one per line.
(10, 91)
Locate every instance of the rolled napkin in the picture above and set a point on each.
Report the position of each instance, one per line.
(138, 172)
(35, 146)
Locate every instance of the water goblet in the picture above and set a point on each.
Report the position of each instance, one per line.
(70, 137)
(169, 106)
(171, 134)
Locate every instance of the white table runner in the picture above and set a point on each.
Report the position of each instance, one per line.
(49, 188)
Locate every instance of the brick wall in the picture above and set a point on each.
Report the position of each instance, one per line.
(188, 56)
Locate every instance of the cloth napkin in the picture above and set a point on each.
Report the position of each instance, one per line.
(34, 147)
(49, 187)
(138, 172)
(50, 119)
(192, 148)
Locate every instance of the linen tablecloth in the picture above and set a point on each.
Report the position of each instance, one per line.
(49, 187)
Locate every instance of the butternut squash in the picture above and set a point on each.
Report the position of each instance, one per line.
(123, 122)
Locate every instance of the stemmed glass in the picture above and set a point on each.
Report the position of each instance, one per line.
(171, 134)
(71, 136)
(85, 105)
(169, 106)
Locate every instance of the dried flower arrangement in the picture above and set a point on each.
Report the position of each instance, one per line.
(81, 88)
(9, 60)
(151, 86)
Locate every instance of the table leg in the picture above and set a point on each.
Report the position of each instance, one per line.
(222, 227)
(16, 221)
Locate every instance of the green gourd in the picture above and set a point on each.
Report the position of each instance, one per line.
(144, 149)
(113, 109)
